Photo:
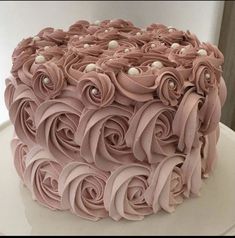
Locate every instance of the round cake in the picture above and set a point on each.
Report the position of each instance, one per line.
(114, 120)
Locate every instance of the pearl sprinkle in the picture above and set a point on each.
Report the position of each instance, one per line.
(90, 67)
(40, 59)
(175, 45)
(208, 76)
(94, 91)
(113, 44)
(133, 71)
(36, 38)
(202, 52)
(86, 46)
(157, 64)
(46, 80)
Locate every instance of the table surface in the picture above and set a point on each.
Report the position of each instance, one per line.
(211, 214)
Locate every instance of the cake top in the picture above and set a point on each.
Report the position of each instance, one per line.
(132, 57)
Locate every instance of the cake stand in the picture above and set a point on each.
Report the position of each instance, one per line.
(213, 213)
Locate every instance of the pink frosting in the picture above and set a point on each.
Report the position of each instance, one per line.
(79, 28)
(124, 195)
(74, 66)
(41, 177)
(137, 87)
(169, 94)
(81, 187)
(56, 122)
(22, 114)
(11, 84)
(210, 154)
(192, 169)
(186, 121)
(103, 87)
(222, 91)
(210, 112)
(167, 184)
(150, 133)
(19, 151)
(56, 82)
(101, 135)
(201, 68)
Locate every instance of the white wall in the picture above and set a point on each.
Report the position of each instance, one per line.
(19, 20)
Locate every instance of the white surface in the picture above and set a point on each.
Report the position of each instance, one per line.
(211, 214)
(21, 19)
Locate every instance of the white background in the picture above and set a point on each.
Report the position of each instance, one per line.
(19, 20)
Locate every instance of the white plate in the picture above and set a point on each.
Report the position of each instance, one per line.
(211, 214)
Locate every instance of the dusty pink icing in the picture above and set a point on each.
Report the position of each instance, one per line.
(124, 195)
(104, 90)
(107, 142)
(101, 135)
(150, 133)
(41, 177)
(22, 114)
(167, 184)
(82, 190)
(56, 122)
(56, 81)
(19, 151)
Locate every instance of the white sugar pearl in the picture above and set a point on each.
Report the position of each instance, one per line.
(171, 84)
(133, 71)
(97, 22)
(40, 59)
(175, 45)
(206, 176)
(106, 31)
(170, 28)
(138, 33)
(153, 45)
(157, 64)
(207, 76)
(182, 50)
(36, 38)
(202, 52)
(90, 67)
(113, 44)
(46, 47)
(75, 36)
(46, 80)
(126, 50)
(86, 45)
(94, 91)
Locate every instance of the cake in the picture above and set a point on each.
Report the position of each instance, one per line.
(112, 120)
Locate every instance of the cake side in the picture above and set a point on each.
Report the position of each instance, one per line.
(114, 120)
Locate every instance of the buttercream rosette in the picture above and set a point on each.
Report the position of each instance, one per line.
(57, 122)
(55, 81)
(124, 195)
(22, 114)
(101, 136)
(81, 187)
(95, 90)
(115, 120)
(150, 134)
(41, 177)
(19, 151)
